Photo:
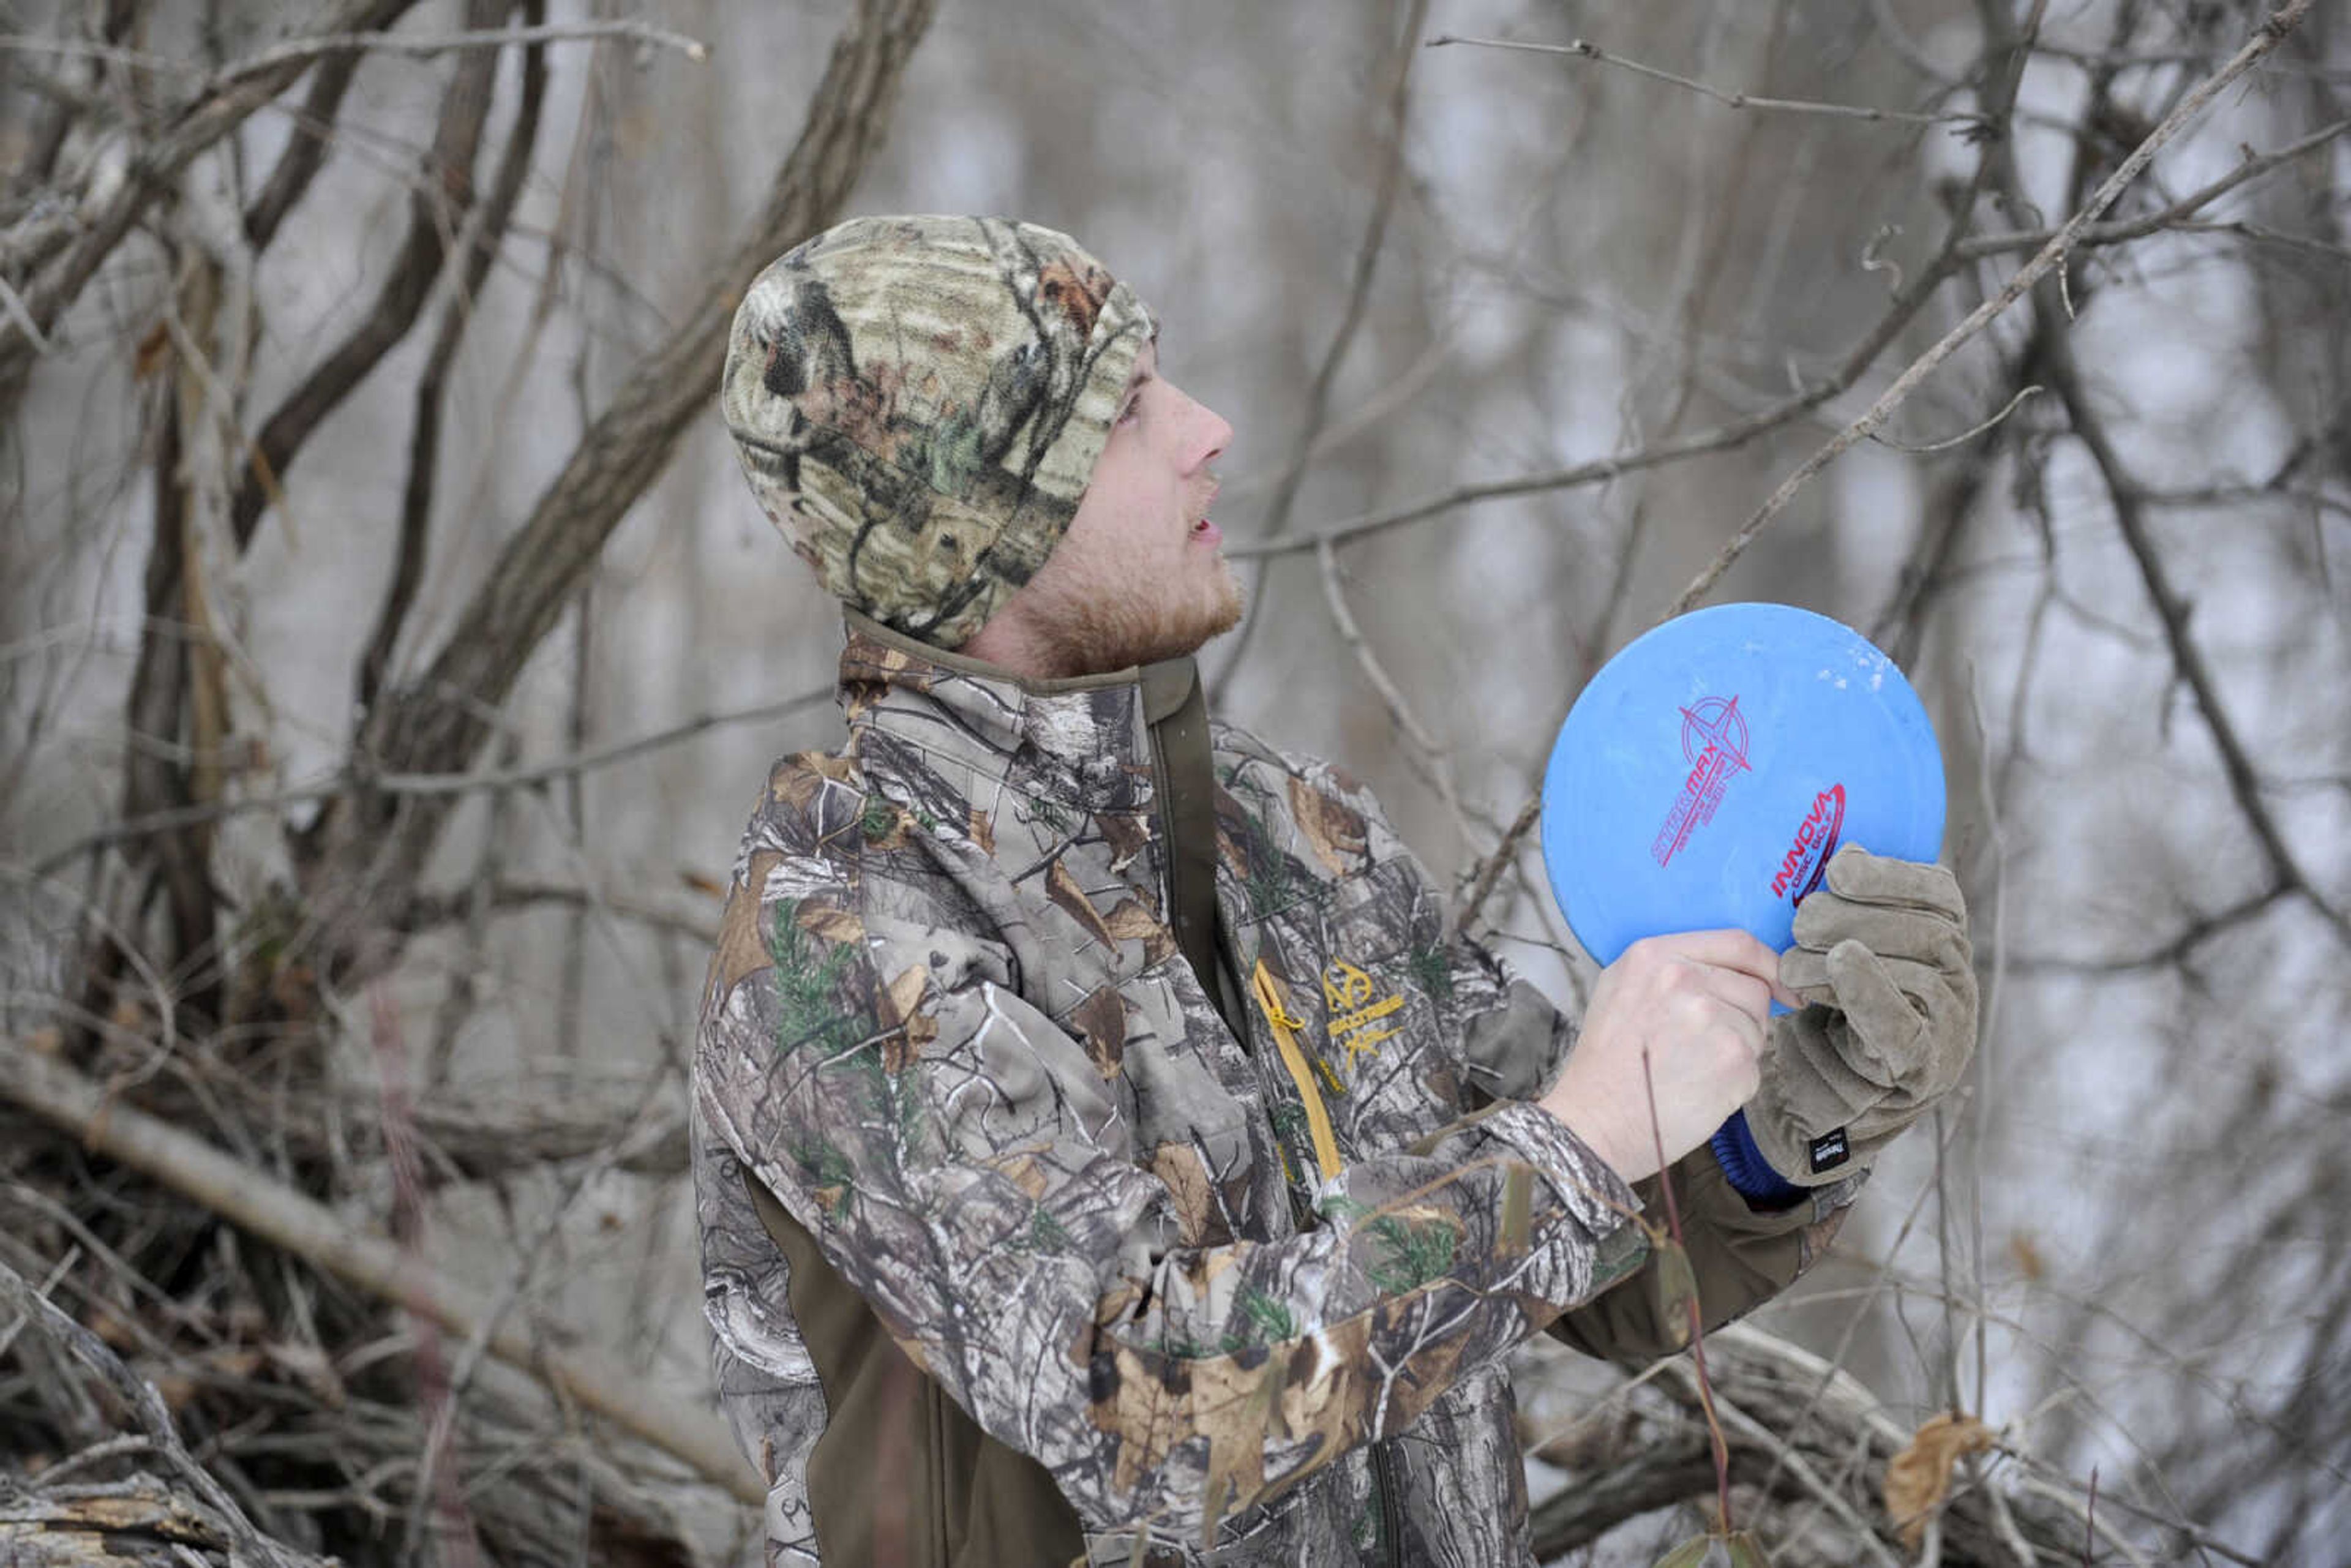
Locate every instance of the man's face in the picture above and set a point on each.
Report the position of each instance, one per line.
(1140, 575)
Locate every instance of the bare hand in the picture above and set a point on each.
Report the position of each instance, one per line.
(1697, 1006)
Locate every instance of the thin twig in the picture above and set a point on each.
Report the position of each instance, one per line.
(1351, 321)
(301, 51)
(1732, 99)
(1697, 1315)
(13, 303)
(1391, 695)
(2171, 609)
(2265, 38)
(2116, 233)
(1963, 437)
(1796, 1465)
(436, 784)
(1489, 871)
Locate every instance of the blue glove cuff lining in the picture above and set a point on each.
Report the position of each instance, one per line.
(1749, 1173)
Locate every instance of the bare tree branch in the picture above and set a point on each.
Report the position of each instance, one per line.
(306, 152)
(1351, 320)
(285, 1217)
(426, 44)
(437, 207)
(1392, 697)
(481, 249)
(2168, 217)
(437, 784)
(1579, 49)
(328, 46)
(2171, 609)
(2197, 932)
(154, 1420)
(152, 171)
(439, 724)
(2265, 38)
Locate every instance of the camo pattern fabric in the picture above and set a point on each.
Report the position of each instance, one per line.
(947, 1024)
(918, 403)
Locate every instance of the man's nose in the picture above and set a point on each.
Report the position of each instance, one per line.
(1212, 434)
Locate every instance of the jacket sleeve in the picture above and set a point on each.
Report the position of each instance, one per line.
(968, 1166)
(1741, 1255)
(1741, 1258)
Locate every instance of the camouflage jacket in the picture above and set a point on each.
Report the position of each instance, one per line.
(1244, 1293)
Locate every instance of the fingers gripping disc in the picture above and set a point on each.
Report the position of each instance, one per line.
(1710, 769)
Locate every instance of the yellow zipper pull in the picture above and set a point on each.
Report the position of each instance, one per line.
(1285, 1027)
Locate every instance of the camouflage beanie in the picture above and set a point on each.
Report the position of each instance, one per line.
(918, 403)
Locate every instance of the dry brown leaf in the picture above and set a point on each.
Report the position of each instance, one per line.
(1919, 1477)
(2027, 1255)
(1187, 1178)
(1101, 1019)
(901, 1011)
(1062, 888)
(832, 924)
(905, 995)
(1023, 1170)
(1333, 830)
(1132, 921)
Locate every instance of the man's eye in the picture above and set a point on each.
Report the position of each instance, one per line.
(1132, 406)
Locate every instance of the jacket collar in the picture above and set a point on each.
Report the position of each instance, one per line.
(1085, 739)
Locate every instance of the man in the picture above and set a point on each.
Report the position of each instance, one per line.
(1105, 1150)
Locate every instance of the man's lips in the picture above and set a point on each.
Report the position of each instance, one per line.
(1204, 532)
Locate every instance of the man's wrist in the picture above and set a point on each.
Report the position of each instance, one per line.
(1631, 1159)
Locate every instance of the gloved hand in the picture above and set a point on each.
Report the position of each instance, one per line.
(1882, 963)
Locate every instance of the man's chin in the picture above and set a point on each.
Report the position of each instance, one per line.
(1224, 613)
(1173, 633)
(1218, 613)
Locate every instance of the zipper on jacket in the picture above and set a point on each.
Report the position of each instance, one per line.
(1383, 1486)
(1285, 1028)
(1285, 1039)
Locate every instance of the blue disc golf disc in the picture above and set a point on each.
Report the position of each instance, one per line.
(1710, 769)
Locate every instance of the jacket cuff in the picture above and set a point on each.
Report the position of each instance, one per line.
(1582, 1183)
(1748, 1171)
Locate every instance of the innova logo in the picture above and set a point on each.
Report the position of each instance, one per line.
(1714, 743)
(1807, 860)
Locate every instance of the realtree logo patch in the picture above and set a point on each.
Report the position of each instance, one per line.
(1807, 860)
(1714, 743)
(1347, 992)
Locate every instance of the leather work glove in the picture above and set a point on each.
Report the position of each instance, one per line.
(1883, 964)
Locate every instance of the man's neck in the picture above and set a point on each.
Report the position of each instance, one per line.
(1013, 645)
